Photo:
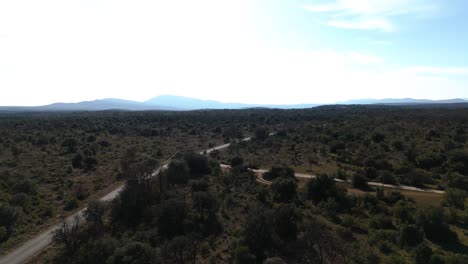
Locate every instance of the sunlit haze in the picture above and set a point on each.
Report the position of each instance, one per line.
(266, 51)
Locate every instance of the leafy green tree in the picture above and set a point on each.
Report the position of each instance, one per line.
(180, 250)
(433, 222)
(403, 213)
(242, 255)
(258, 232)
(323, 246)
(410, 235)
(284, 190)
(279, 172)
(77, 161)
(178, 172)
(286, 220)
(205, 205)
(9, 217)
(134, 253)
(97, 251)
(323, 187)
(454, 197)
(261, 134)
(170, 217)
(422, 254)
(360, 182)
(274, 261)
(90, 163)
(70, 144)
(237, 161)
(3, 234)
(198, 164)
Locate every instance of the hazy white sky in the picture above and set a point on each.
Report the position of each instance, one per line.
(278, 51)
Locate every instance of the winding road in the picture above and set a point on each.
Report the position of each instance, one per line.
(35, 245)
(259, 174)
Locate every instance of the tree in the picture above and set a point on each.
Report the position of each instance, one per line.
(134, 253)
(359, 182)
(68, 235)
(422, 254)
(387, 177)
(205, 205)
(378, 137)
(454, 197)
(432, 220)
(403, 213)
(127, 160)
(94, 214)
(9, 217)
(323, 187)
(197, 163)
(170, 217)
(284, 190)
(257, 232)
(324, 247)
(97, 251)
(3, 234)
(136, 198)
(90, 163)
(279, 172)
(70, 144)
(77, 161)
(237, 161)
(180, 250)
(242, 255)
(261, 134)
(410, 235)
(286, 221)
(274, 261)
(178, 172)
(25, 186)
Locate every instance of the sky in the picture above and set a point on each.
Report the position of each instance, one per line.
(249, 51)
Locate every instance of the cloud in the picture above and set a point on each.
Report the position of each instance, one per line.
(371, 14)
(365, 23)
(437, 71)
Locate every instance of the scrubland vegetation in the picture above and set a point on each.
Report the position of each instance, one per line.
(195, 212)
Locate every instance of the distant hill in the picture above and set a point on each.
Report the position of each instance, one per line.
(180, 103)
(187, 103)
(96, 105)
(404, 101)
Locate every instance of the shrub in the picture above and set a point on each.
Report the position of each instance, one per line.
(422, 254)
(180, 250)
(321, 188)
(433, 222)
(455, 198)
(261, 134)
(286, 222)
(133, 252)
(359, 182)
(178, 172)
(410, 236)
(279, 172)
(284, 190)
(197, 163)
(71, 204)
(242, 255)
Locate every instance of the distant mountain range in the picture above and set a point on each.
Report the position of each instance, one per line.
(180, 103)
(404, 101)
